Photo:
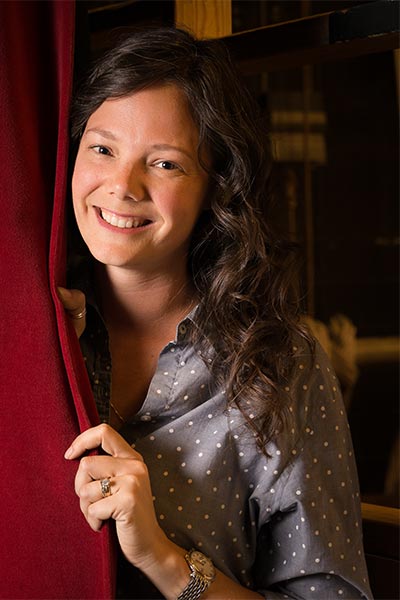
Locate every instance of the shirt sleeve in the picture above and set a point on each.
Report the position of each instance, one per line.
(310, 543)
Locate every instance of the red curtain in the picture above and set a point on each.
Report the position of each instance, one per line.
(47, 550)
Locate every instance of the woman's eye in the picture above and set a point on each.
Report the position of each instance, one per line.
(167, 165)
(101, 150)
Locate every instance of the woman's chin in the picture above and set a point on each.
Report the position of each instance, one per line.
(112, 258)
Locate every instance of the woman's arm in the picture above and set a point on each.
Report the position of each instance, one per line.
(130, 504)
(170, 574)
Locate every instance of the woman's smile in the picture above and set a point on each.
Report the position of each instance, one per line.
(138, 185)
(122, 223)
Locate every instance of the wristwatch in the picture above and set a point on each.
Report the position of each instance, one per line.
(202, 574)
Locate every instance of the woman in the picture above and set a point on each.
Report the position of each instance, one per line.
(223, 429)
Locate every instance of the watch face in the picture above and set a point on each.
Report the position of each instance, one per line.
(202, 564)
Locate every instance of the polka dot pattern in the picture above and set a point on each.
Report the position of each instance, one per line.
(291, 514)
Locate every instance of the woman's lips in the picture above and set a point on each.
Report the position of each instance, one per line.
(122, 222)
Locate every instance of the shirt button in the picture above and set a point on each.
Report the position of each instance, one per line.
(182, 329)
(145, 418)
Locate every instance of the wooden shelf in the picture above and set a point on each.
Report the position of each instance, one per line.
(368, 28)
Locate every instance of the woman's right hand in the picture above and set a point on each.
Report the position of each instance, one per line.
(74, 302)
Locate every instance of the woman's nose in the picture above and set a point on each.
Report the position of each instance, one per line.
(127, 183)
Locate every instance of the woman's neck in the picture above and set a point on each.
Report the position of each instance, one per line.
(131, 300)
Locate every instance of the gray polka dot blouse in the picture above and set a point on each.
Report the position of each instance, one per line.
(288, 526)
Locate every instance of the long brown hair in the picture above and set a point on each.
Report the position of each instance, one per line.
(244, 274)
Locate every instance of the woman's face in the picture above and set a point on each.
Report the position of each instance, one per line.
(138, 187)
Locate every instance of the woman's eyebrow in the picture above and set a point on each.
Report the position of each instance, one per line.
(103, 132)
(172, 147)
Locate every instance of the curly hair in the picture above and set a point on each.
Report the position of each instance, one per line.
(245, 276)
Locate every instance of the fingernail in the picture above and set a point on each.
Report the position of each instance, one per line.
(68, 452)
(64, 293)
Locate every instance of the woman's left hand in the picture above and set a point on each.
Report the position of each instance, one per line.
(74, 302)
(130, 502)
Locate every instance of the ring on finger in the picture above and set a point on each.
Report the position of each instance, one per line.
(105, 487)
(78, 315)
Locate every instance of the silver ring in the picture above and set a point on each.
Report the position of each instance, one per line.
(79, 315)
(105, 487)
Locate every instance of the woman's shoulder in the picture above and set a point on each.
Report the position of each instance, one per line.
(315, 398)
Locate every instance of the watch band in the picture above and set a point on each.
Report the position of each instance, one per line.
(196, 586)
(202, 574)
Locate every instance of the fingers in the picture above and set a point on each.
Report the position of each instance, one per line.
(116, 486)
(95, 505)
(105, 437)
(107, 487)
(74, 302)
(118, 505)
(98, 512)
(96, 468)
(91, 493)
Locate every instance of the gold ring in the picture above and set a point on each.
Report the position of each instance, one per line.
(105, 487)
(79, 315)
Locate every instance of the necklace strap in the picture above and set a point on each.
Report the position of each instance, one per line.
(120, 417)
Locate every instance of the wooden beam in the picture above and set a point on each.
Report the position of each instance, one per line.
(316, 39)
(380, 514)
(204, 18)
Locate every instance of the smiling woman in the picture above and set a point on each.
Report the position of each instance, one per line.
(223, 424)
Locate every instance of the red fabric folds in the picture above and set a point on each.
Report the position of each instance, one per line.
(47, 549)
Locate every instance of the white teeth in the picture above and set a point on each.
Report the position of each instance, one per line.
(120, 222)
